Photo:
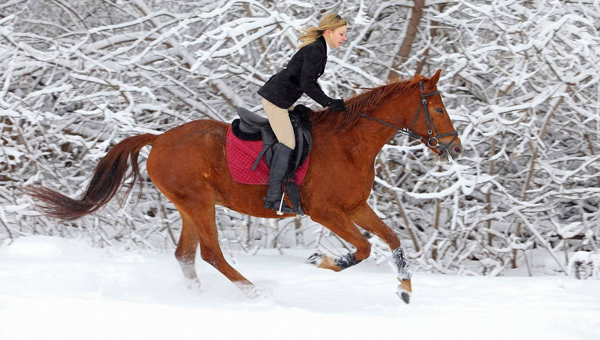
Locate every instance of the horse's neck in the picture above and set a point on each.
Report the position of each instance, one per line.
(364, 140)
(373, 134)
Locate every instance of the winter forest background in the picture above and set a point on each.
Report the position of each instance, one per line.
(520, 80)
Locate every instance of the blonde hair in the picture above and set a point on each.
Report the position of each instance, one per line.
(330, 21)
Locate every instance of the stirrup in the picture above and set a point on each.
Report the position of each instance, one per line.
(279, 206)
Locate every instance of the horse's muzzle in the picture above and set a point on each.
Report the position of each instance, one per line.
(452, 151)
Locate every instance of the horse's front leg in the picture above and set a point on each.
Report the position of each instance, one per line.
(366, 218)
(341, 224)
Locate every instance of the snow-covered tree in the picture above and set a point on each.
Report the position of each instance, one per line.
(520, 80)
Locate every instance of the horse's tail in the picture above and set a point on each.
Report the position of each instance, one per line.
(108, 178)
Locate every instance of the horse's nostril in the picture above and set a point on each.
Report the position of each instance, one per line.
(457, 149)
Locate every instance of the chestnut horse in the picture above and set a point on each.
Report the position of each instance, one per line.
(188, 165)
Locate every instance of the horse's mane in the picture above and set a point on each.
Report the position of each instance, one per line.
(361, 103)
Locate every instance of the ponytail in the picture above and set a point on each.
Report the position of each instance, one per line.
(330, 21)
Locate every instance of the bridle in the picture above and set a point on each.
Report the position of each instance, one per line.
(434, 139)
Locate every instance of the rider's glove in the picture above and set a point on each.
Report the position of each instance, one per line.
(338, 105)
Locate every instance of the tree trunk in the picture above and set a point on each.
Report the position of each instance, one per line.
(411, 33)
(432, 32)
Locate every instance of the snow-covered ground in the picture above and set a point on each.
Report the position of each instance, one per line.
(54, 288)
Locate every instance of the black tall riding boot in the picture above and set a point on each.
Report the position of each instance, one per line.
(279, 167)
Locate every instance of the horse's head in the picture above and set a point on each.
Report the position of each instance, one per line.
(412, 106)
(431, 122)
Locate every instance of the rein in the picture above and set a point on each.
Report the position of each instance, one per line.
(434, 140)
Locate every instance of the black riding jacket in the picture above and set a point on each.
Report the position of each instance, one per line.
(298, 77)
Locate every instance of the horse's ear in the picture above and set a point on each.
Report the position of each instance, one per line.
(435, 78)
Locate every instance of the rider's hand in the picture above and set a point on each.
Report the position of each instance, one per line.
(338, 105)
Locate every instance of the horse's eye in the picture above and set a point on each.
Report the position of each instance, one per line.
(439, 110)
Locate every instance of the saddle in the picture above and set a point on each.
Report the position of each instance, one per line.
(252, 128)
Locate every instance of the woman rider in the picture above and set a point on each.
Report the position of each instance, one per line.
(287, 86)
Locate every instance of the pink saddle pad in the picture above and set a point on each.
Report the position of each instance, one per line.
(241, 155)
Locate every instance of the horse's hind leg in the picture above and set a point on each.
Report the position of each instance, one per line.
(366, 218)
(186, 252)
(203, 218)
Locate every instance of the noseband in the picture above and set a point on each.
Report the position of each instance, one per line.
(434, 139)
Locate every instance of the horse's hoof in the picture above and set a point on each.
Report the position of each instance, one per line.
(252, 292)
(194, 286)
(405, 296)
(404, 291)
(315, 259)
(255, 293)
(321, 260)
